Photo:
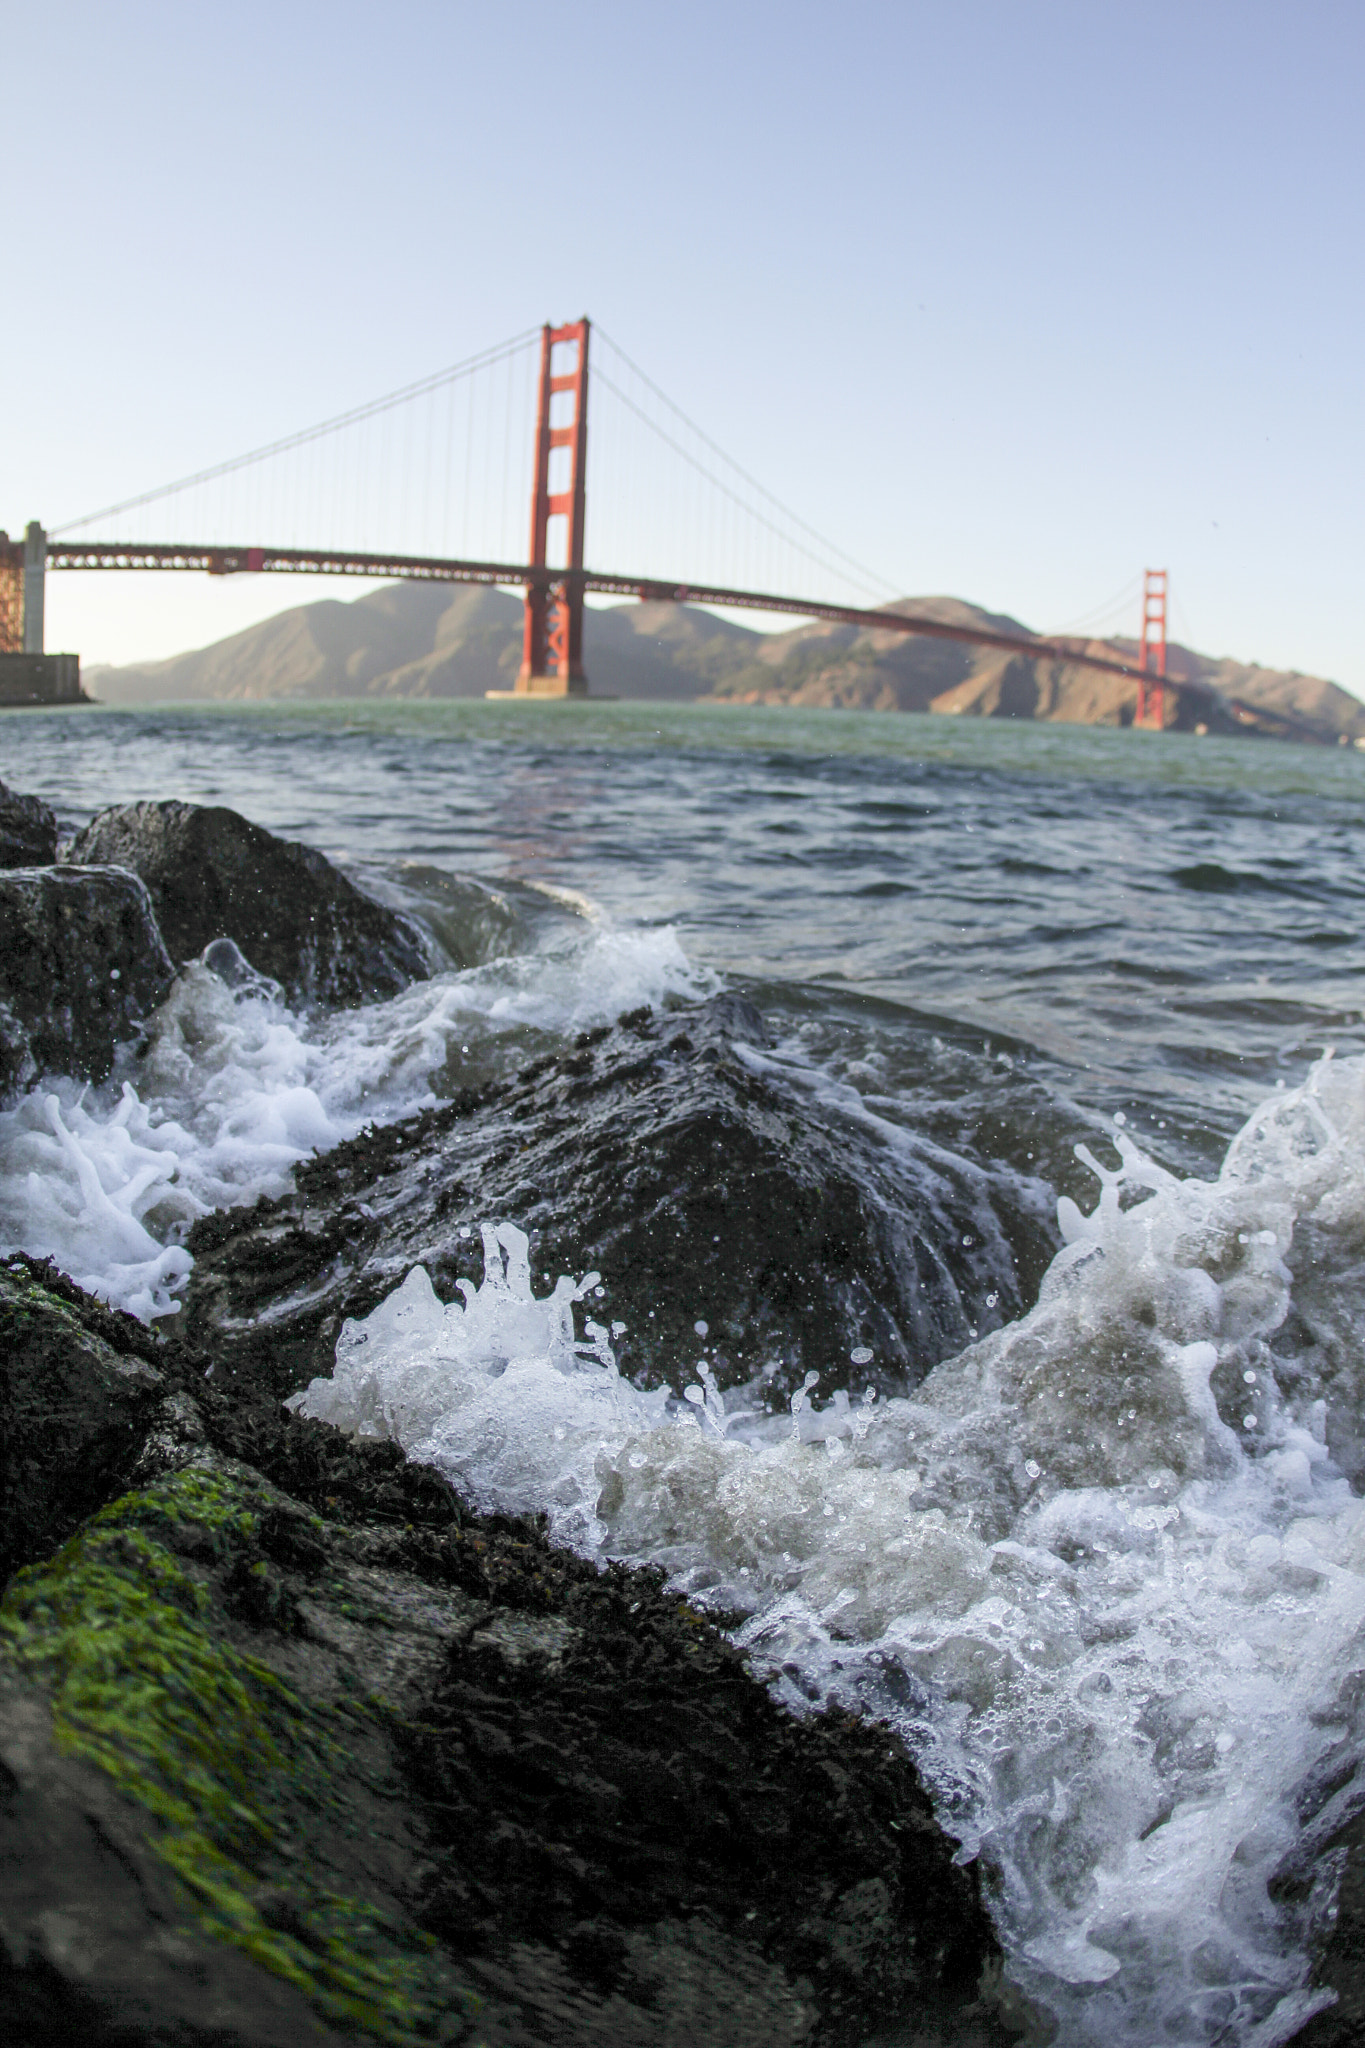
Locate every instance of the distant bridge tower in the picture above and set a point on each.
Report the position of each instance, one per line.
(552, 647)
(35, 579)
(1151, 704)
(23, 572)
(11, 595)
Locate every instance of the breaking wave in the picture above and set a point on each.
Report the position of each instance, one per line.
(1103, 1570)
(233, 1090)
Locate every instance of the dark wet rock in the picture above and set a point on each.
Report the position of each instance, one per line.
(700, 1187)
(1322, 1884)
(82, 966)
(28, 831)
(211, 875)
(80, 1394)
(1341, 1948)
(293, 1746)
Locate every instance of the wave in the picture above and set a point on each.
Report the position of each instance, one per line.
(233, 1089)
(1102, 1570)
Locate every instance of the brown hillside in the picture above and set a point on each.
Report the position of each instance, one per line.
(442, 640)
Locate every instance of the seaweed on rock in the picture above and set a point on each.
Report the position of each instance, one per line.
(306, 1749)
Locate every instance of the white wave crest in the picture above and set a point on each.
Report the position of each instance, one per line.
(234, 1090)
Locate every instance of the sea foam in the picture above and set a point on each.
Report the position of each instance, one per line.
(1100, 1570)
(233, 1089)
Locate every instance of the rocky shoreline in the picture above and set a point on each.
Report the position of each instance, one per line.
(297, 1744)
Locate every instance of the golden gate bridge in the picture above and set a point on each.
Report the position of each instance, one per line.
(555, 578)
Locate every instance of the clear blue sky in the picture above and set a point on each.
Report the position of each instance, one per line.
(1010, 299)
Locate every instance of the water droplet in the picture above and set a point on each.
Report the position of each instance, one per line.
(969, 1240)
(701, 1328)
(1119, 1117)
(1250, 1378)
(1033, 1468)
(463, 1230)
(1248, 1422)
(991, 1300)
(860, 1355)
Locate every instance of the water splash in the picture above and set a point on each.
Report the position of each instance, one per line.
(233, 1090)
(1102, 1570)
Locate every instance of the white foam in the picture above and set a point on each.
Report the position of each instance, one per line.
(1101, 1573)
(234, 1090)
(494, 1389)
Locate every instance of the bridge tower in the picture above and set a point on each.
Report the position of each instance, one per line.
(552, 645)
(1151, 706)
(11, 595)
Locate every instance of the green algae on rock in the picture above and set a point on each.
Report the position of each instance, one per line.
(295, 1746)
(232, 1766)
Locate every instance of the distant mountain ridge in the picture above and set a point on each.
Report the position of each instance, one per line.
(441, 640)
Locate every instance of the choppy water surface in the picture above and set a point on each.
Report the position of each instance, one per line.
(1106, 1566)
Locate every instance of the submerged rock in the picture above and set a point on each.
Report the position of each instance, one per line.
(701, 1186)
(212, 874)
(82, 966)
(28, 831)
(297, 1747)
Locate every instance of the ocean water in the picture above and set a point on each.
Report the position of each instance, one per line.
(1105, 1567)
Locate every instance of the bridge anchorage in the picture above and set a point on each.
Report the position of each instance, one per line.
(555, 578)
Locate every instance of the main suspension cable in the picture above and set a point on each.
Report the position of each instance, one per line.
(869, 576)
(359, 413)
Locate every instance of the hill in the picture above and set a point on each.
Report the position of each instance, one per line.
(444, 640)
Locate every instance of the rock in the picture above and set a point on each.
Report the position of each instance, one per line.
(699, 1187)
(213, 875)
(82, 966)
(28, 831)
(293, 1746)
(1324, 1882)
(80, 1394)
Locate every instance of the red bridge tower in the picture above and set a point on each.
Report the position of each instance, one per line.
(552, 649)
(1152, 651)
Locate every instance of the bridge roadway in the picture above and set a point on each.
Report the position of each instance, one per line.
(234, 561)
(231, 561)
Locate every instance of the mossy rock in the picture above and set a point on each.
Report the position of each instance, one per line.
(298, 1747)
